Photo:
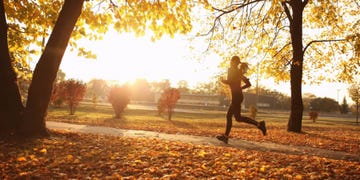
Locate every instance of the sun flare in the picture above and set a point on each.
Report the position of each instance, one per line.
(125, 58)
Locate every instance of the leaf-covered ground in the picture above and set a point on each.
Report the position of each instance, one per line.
(83, 156)
(336, 134)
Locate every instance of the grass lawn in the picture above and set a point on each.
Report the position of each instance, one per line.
(85, 156)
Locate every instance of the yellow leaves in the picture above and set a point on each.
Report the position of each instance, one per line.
(144, 158)
(86, 53)
(44, 151)
(206, 4)
(275, 9)
(161, 17)
(227, 154)
(174, 153)
(202, 153)
(262, 169)
(33, 157)
(117, 25)
(172, 3)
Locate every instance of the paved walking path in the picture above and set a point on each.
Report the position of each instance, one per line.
(201, 140)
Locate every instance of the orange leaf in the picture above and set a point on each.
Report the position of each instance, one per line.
(43, 151)
(69, 157)
(21, 159)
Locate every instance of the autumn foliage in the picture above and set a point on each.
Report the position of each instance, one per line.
(74, 92)
(119, 97)
(168, 100)
(71, 92)
(89, 156)
(58, 96)
(253, 112)
(313, 115)
(92, 156)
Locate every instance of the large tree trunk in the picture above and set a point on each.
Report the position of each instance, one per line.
(297, 108)
(46, 69)
(11, 106)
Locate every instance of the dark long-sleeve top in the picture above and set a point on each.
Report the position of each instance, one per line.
(234, 78)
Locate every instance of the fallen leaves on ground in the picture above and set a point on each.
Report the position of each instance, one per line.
(337, 135)
(334, 138)
(83, 156)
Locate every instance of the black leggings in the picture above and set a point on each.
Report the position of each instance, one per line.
(235, 110)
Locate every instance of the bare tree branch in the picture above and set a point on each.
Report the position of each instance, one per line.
(319, 41)
(212, 28)
(287, 11)
(229, 9)
(357, 3)
(234, 7)
(282, 49)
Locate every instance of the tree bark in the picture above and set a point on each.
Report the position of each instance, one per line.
(11, 106)
(296, 69)
(46, 69)
(170, 110)
(357, 111)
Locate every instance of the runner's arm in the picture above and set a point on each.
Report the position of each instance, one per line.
(246, 81)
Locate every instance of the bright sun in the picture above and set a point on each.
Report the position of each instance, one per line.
(127, 58)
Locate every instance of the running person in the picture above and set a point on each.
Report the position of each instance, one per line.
(234, 78)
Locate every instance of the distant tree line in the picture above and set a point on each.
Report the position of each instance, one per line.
(98, 90)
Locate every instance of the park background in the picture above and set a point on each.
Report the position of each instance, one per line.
(325, 148)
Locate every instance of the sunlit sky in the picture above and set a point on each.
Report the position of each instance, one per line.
(125, 58)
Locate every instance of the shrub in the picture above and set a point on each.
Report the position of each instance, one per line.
(252, 111)
(161, 106)
(168, 100)
(313, 115)
(74, 92)
(119, 97)
(58, 96)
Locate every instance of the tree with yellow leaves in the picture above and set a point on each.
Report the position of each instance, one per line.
(289, 40)
(48, 27)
